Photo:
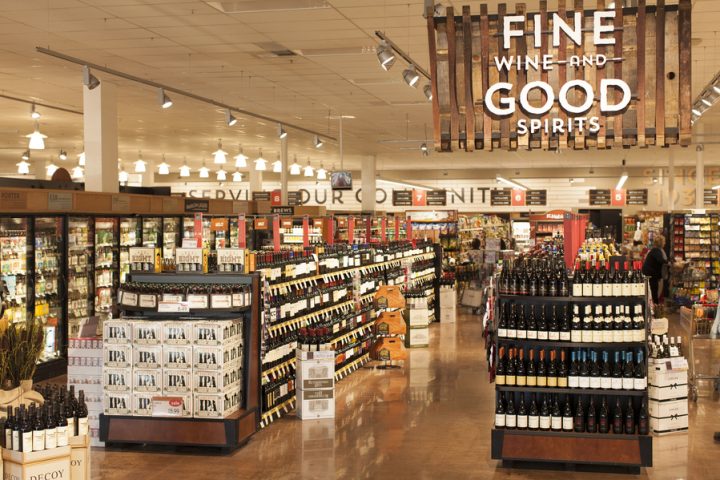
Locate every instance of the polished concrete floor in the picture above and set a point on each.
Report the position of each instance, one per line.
(429, 420)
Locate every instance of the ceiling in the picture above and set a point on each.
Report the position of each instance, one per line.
(205, 48)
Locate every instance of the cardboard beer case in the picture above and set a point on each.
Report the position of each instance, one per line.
(117, 331)
(177, 356)
(313, 404)
(117, 355)
(316, 374)
(45, 464)
(177, 382)
(177, 333)
(147, 332)
(147, 380)
(217, 332)
(217, 381)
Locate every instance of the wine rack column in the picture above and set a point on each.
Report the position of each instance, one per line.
(571, 381)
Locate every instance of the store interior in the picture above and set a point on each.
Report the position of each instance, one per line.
(196, 283)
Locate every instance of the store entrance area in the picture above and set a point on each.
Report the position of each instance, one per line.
(431, 419)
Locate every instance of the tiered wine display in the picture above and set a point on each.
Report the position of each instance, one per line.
(699, 237)
(106, 261)
(571, 364)
(80, 273)
(48, 307)
(325, 299)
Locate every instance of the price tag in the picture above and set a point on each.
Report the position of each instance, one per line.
(167, 406)
(198, 301)
(148, 301)
(173, 307)
(167, 297)
(129, 299)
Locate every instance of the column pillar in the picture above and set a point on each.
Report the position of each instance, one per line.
(368, 182)
(699, 177)
(100, 137)
(284, 175)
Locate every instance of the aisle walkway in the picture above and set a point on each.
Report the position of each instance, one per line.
(430, 420)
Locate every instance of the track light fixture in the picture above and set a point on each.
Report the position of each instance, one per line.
(163, 168)
(140, 164)
(34, 114)
(295, 167)
(260, 162)
(204, 171)
(281, 131)
(385, 55)
(185, 170)
(427, 90)
(36, 139)
(230, 118)
(89, 80)
(411, 76)
(318, 142)
(25, 155)
(62, 155)
(237, 176)
(165, 101)
(241, 159)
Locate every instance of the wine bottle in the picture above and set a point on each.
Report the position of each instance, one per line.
(576, 331)
(8, 429)
(584, 371)
(502, 323)
(639, 325)
(573, 373)
(522, 415)
(598, 324)
(587, 332)
(565, 325)
(532, 331)
(50, 428)
(556, 419)
(629, 418)
(618, 325)
(643, 426)
(510, 378)
(604, 417)
(521, 327)
(577, 287)
(628, 381)
(628, 333)
(545, 415)
(38, 433)
(640, 380)
(595, 371)
(533, 417)
(587, 288)
(591, 423)
(510, 415)
(512, 323)
(597, 282)
(608, 325)
(552, 378)
(605, 373)
(500, 378)
(26, 439)
(541, 370)
(553, 327)
(531, 370)
(567, 418)
(579, 419)
(63, 436)
(608, 281)
(82, 415)
(542, 325)
(520, 372)
(617, 281)
(562, 371)
(499, 413)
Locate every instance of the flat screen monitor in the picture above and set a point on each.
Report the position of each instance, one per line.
(341, 180)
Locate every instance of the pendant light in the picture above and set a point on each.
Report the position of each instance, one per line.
(37, 139)
(123, 176)
(23, 167)
(260, 162)
(309, 171)
(163, 168)
(51, 169)
(221, 175)
(295, 167)
(34, 114)
(204, 171)
(77, 173)
(140, 164)
(237, 176)
(62, 155)
(81, 159)
(277, 165)
(321, 173)
(25, 155)
(219, 155)
(185, 170)
(241, 159)
(411, 76)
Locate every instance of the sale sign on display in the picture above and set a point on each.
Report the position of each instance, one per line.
(518, 198)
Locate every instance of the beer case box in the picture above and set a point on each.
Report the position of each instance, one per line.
(419, 317)
(668, 393)
(118, 355)
(319, 355)
(147, 332)
(147, 380)
(668, 408)
(42, 465)
(147, 356)
(448, 315)
(115, 403)
(177, 333)
(117, 331)
(80, 457)
(117, 380)
(668, 425)
(177, 382)
(315, 374)
(217, 333)
(142, 404)
(418, 337)
(217, 357)
(145, 256)
(314, 404)
(177, 356)
(215, 405)
(659, 375)
(217, 381)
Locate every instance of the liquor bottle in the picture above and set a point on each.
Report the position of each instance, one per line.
(617, 281)
(595, 371)
(70, 416)
(533, 417)
(562, 371)
(576, 331)
(628, 381)
(617, 373)
(510, 414)
(638, 284)
(552, 283)
(532, 332)
(597, 282)
(531, 370)
(82, 415)
(63, 436)
(553, 326)
(617, 421)
(608, 325)
(604, 417)
(567, 416)
(578, 277)
(8, 429)
(628, 333)
(542, 325)
(541, 370)
(563, 288)
(542, 282)
(532, 282)
(573, 373)
(552, 377)
(545, 415)
(521, 324)
(587, 286)
(565, 325)
(512, 324)
(38, 433)
(26, 432)
(629, 418)
(591, 423)
(556, 418)
(639, 324)
(618, 325)
(579, 419)
(643, 426)
(500, 378)
(499, 413)
(502, 324)
(587, 332)
(609, 280)
(520, 372)
(605, 373)
(598, 324)
(640, 380)
(584, 371)
(50, 427)
(522, 416)
(678, 346)
(510, 378)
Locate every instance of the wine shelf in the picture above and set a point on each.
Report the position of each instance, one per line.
(555, 344)
(572, 391)
(530, 298)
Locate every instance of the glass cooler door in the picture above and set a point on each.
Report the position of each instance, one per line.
(80, 273)
(14, 267)
(129, 237)
(171, 237)
(151, 231)
(49, 247)
(106, 265)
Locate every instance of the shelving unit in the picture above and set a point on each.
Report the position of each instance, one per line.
(14, 267)
(696, 239)
(631, 451)
(106, 264)
(80, 262)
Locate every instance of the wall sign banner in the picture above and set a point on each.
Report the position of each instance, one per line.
(242, 232)
(561, 80)
(536, 198)
(197, 205)
(600, 198)
(636, 197)
(261, 196)
(261, 223)
(276, 197)
(282, 210)
(402, 198)
(711, 197)
(419, 198)
(518, 197)
(436, 198)
(294, 199)
(500, 197)
(218, 224)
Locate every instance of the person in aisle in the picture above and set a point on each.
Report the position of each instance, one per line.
(656, 267)
(475, 254)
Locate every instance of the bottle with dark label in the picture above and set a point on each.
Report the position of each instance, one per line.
(628, 381)
(605, 373)
(629, 418)
(8, 429)
(533, 416)
(643, 426)
(604, 417)
(591, 423)
(579, 419)
(616, 381)
(617, 420)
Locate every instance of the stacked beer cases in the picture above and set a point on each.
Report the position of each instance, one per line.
(85, 365)
(419, 317)
(315, 384)
(668, 393)
(448, 304)
(198, 361)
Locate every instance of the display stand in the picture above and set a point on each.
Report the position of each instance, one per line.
(226, 433)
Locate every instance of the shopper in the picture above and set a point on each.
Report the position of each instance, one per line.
(656, 267)
(475, 254)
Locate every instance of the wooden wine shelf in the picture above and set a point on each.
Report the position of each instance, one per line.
(573, 391)
(537, 298)
(556, 344)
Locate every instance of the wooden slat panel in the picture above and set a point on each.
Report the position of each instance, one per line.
(672, 89)
(467, 63)
(545, 138)
(629, 72)
(485, 62)
(504, 122)
(443, 85)
(579, 74)
(521, 51)
(660, 74)
(599, 76)
(434, 78)
(452, 79)
(562, 73)
(685, 70)
(477, 90)
(618, 53)
(641, 74)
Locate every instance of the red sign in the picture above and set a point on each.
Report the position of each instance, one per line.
(419, 198)
(218, 224)
(242, 239)
(518, 198)
(261, 223)
(276, 197)
(286, 222)
(317, 222)
(618, 198)
(198, 227)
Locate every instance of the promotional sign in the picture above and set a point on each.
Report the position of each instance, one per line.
(402, 198)
(535, 198)
(599, 198)
(230, 256)
(285, 210)
(197, 205)
(419, 198)
(261, 223)
(276, 197)
(286, 222)
(618, 198)
(219, 224)
(261, 196)
(559, 80)
(518, 197)
(436, 198)
(636, 197)
(501, 197)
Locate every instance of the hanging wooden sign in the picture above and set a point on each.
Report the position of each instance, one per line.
(576, 78)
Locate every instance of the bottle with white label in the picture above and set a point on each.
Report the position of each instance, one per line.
(38, 434)
(628, 381)
(627, 286)
(584, 371)
(565, 325)
(577, 281)
(567, 418)
(640, 380)
(638, 324)
(598, 324)
(62, 427)
(500, 413)
(50, 428)
(556, 417)
(8, 429)
(595, 381)
(510, 414)
(512, 322)
(617, 281)
(522, 415)
(542, 325)
(608, 325)
(616, 380)
(609, 281)
(82, 415)
(576, 329)
(573, 373)
(532, 332)
(605, 373)
(587, 333)
(598, 281)
(502, 323)
(554, 325)
(618, 324)
(533, 415)
(25, 441)
(587, 285)
(628, 332)
(545, 415)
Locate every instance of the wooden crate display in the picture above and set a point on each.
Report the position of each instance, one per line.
(53, 463)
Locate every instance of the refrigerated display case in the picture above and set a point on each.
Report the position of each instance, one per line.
(106, 265)
(48, 290)
(171, 237)
(14, 267)
(80, 265)
(130, 236)
(151, 231)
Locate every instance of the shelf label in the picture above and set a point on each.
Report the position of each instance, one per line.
(167, 407)
(169, 297)
(173, 307)
(221, 301)
(148, 301)
(60, 201)
(197, 301)
(128, 298)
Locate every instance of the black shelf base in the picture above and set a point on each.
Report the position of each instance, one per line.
(570, 467)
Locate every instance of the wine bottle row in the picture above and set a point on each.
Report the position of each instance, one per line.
(622, 419)
(589, 323)
(587, 369)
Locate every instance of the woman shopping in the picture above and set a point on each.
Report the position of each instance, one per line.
(656, 267)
